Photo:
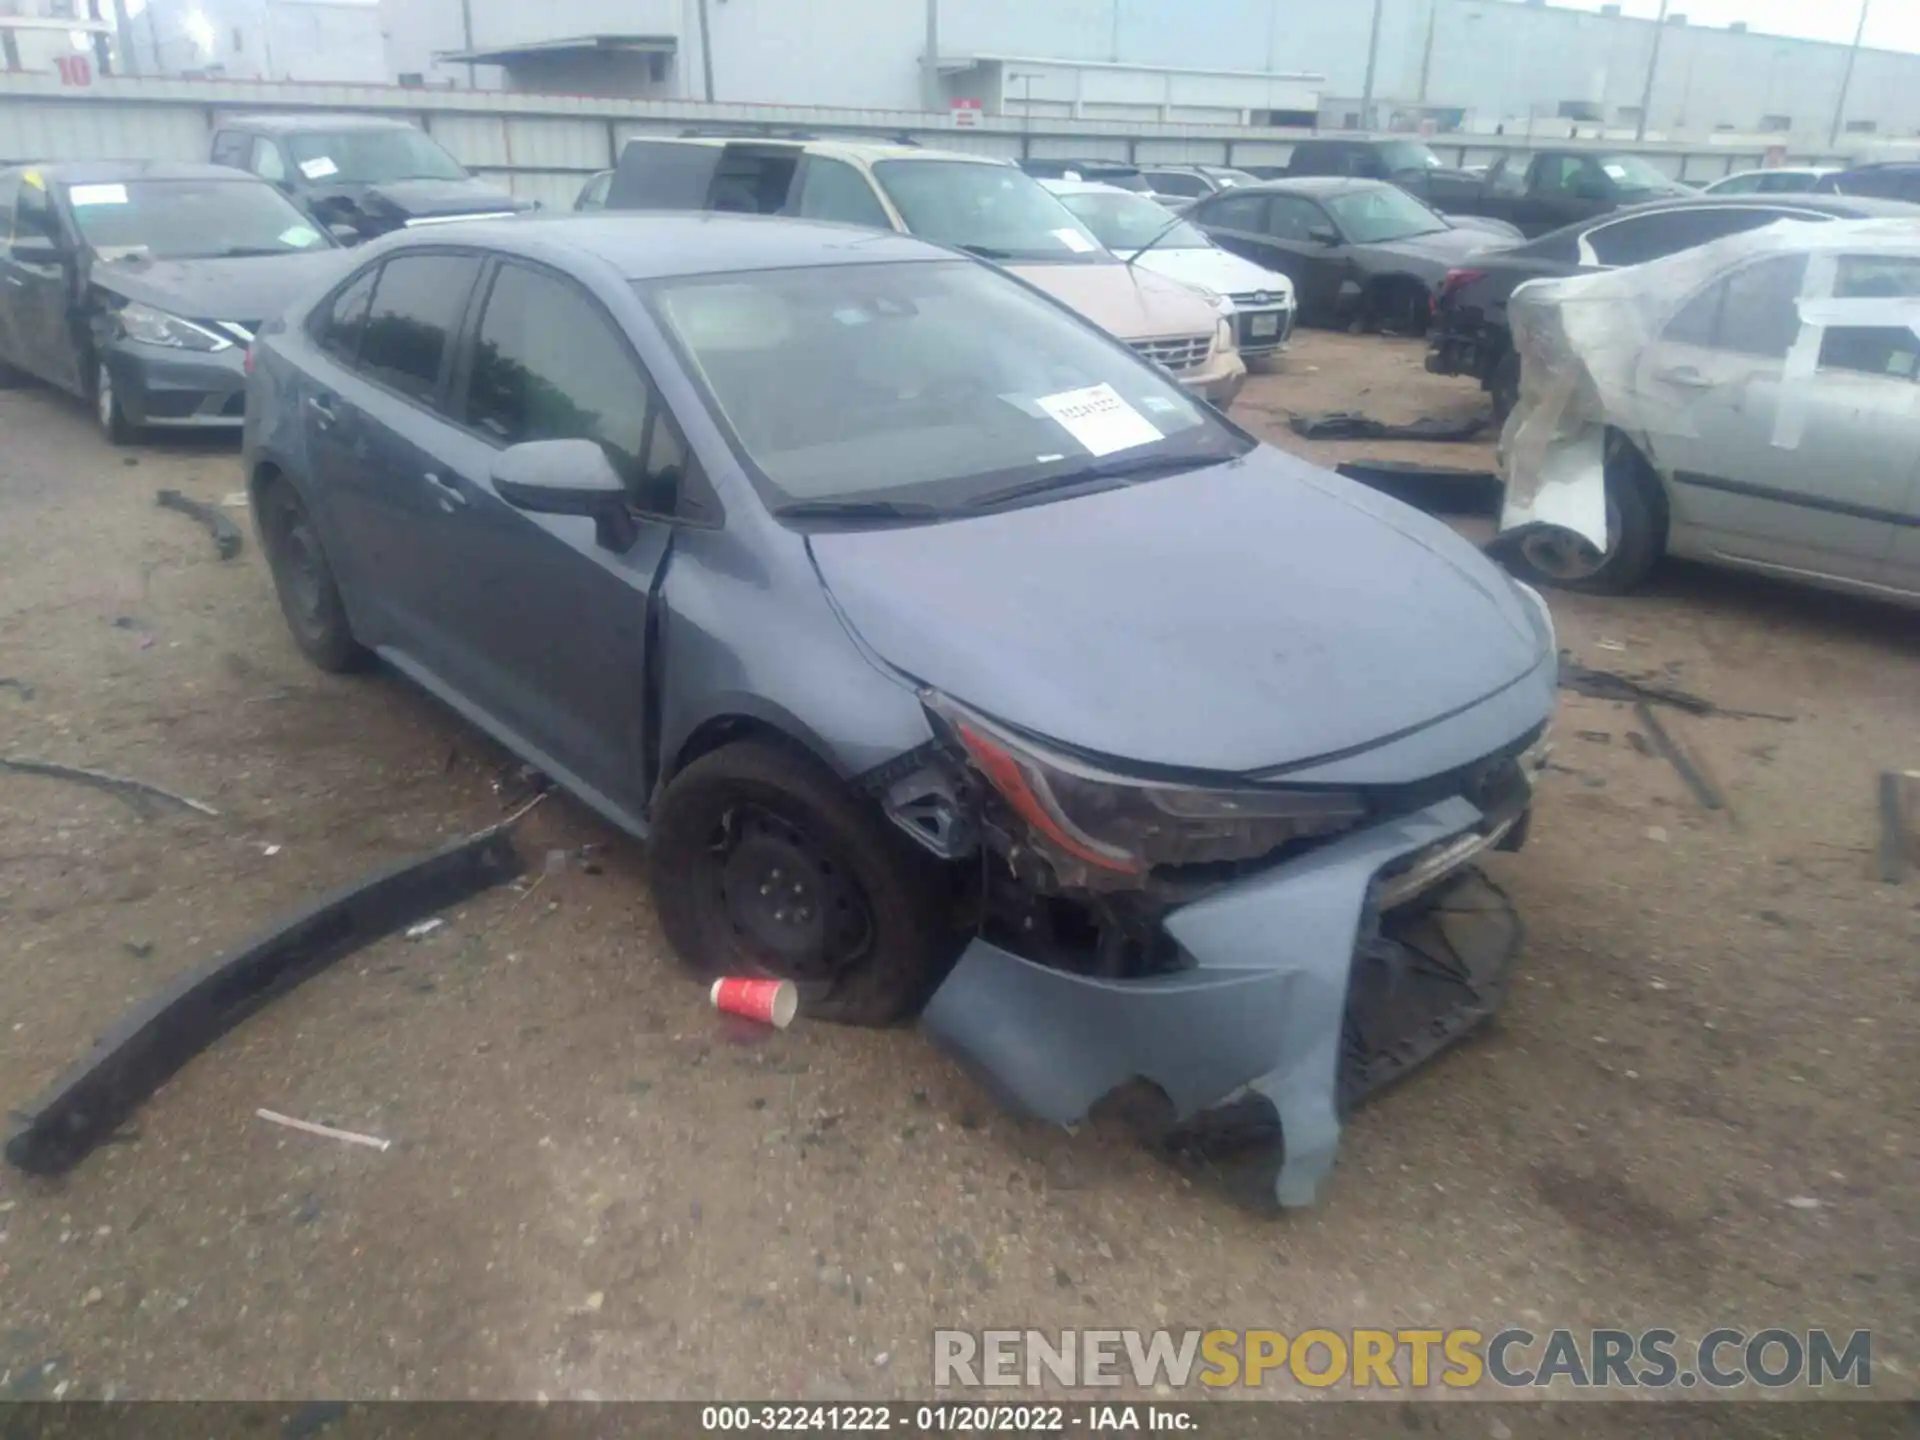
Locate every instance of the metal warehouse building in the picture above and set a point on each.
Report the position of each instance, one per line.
(1476, 65)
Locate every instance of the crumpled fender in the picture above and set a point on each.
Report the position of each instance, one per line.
(1262, 1007)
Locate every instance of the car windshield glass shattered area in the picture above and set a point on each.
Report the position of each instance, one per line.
(371, 157)
(1380, 213)
(1124, 223)
(993, 211)
(930, 383)
(190, 219)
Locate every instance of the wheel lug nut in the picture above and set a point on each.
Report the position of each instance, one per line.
(798, 888)
(766, 889)
(779, 914)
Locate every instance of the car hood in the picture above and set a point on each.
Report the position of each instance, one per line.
(247, 289)
(1221, 271)
(1232, 619)
(1125, 300)
(1433, 253)
(425, 199)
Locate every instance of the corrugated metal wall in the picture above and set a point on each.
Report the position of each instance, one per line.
(544, 146)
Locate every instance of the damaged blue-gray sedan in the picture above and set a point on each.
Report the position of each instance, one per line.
(950, 658)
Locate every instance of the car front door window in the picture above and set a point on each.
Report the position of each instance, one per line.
(266, 161)
(1294, 220)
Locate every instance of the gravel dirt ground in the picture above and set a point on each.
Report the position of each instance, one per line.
(1697, 1109)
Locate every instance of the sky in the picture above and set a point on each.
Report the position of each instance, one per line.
(1891, 24)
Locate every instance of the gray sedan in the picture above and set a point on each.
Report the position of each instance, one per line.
(1753, 403)
(949, 657)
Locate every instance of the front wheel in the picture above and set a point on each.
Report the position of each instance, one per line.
(763, 862)
(107, 409)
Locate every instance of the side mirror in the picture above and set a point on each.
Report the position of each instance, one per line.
(345, 234)
(36, 250)
(1324, 235)
(568, 477)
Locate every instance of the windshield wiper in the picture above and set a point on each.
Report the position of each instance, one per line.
(986, 252)
(237, 252)
(1135, 468)
(1165, 230)
(859, 510)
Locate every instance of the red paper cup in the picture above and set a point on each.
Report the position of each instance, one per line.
(771, 1002)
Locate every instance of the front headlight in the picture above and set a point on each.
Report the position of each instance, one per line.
(1124, 826)
(156, 327)
(1225, 342)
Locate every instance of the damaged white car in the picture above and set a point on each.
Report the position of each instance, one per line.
(1752, 403)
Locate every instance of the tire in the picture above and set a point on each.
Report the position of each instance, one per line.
(107, 413)
(1269, 364)
(867, 932)
(1635, 526)
(1503, 386)
(302, 578)
(1398, 307)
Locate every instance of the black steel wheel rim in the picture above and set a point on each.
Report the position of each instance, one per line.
(787, 902)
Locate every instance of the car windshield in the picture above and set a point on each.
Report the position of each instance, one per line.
(1398, 155)
(993, 211)
(1123, 222)
(1380, 213)
(371, 156)
(1630, 172)
(190, 219)
(925, 386)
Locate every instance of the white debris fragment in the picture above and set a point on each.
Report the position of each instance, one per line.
(269, 849)
(1804, 1202)
(1657, 834)
(423, 928)
(351, 1137)
(596, 1300)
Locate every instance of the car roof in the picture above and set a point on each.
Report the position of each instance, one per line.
(1312, 185)
(642, 245)
(279, 124)
(108, 172)
(1781, 170)
(1841, 207)
(856, 150)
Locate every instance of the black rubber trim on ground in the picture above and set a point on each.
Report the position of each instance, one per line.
(226, 534)
(158, 1036)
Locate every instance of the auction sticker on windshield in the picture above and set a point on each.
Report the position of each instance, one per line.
(1099, 419)
(318, 168)
(97, 195)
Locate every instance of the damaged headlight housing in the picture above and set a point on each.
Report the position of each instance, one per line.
(156, 327)
(1124, 826)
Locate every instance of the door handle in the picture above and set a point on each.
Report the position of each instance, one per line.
(451, 495)
(322, 408)
(1684, 376)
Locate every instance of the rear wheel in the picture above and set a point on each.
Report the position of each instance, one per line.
(107, 410)
(309, 595)
(1635, 535)
(764, 863)
(1399, 306)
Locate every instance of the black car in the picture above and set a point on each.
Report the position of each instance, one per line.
(1892, 180)
(360, 171)
(1408, 163)
(1469, 335)
(138, 285)
(1103, 172)
(1354, 249)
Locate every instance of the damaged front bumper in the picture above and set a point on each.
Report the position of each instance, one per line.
(1309, 986)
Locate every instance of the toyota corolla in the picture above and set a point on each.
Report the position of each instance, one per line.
(951, 659)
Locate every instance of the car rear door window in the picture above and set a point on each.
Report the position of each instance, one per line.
(549, 364)
(1755, 311)
(834, 190)
(417, 306)
(1640, 238)
(1246, 213)
(340, 323)
(1176, 182)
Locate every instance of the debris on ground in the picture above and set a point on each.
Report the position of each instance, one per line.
(226, 534)
(771, 1002)
(235, 500)
(1704, 790)
(19, 687)
(422, 929)
(1893, 828)
(351, 1137)
(1351, 425)
(1607, 685)
(81, 1108)
(128, 789)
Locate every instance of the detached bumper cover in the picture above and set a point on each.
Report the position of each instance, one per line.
(1257, 1026)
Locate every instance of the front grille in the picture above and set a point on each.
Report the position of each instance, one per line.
(1185, 352)
(1252, 300)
